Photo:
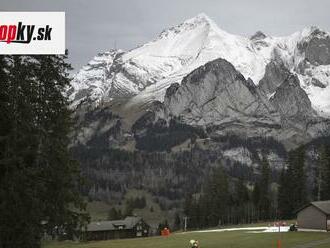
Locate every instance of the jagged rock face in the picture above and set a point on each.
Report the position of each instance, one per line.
(98, 127)
(217, 94)
(155, 112)
(275, 74)
(92, 82)
(218, 97)
(258, 36)
(292, 101)
(316, 48)
(318, 83)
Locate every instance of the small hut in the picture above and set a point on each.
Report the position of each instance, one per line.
(315, 215)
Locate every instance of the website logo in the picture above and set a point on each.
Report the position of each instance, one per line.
(32, 32)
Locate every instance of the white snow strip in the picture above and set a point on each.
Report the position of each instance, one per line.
(273, 229)
(230, 229)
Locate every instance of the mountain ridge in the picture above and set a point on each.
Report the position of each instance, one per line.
(132, 84)
(145, 72)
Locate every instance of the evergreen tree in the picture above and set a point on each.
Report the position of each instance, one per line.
(284, 201)
(241, 192)
(298, 179)
(217, 197)
(39, 186)
(261, 192)
(293, 191)
(239, 202)
(177, 222)
(322, 174)
(187, 206)
(326, 177)
(264, 184)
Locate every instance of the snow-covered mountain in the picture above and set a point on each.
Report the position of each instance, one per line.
(207, 77)
(144, 73)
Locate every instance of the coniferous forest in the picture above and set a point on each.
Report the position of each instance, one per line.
(39, 180)
(228, 200)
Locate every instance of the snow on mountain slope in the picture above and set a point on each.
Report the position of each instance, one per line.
(143, 74)
(97, 79)
(197, 41)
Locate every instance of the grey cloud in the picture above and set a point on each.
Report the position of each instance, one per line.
(94, 26)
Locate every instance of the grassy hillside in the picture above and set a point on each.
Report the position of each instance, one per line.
(237, 239)
(152, 213)
(155, 216)
(98, 210)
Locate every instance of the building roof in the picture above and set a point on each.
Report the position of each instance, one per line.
(128, 223)
(323, 206)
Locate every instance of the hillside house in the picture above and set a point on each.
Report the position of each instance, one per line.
(130, 227)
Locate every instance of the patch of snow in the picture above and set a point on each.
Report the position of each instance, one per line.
(310, 230)
(262, 229)
(273, 230)
(240, 154)
(270, 96)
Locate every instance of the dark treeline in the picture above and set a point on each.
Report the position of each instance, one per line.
(162, 137)
(39, 181)
(227, 200)
(167, 176)
(111, 172)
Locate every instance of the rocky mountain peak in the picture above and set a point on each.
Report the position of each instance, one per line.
(258, 36)
(314, 31)
(199, 21)
(219, 67)
(275, 74)
(200, 18)
(217, 94)
(292, 101)
(315, 44)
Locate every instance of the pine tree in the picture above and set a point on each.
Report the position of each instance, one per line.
(297, 164)
(177, 222)
(240, 199)
(326, 180)
(292, 193)
(39, 186)
(261, 192)
(217, 197)
(284, 201)
(322, 174)
(264, 199)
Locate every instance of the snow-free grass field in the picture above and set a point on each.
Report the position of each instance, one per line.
(232, 239)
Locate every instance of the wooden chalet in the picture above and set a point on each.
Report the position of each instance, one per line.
(130, 227)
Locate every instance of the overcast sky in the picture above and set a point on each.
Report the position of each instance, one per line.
(93, 26)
